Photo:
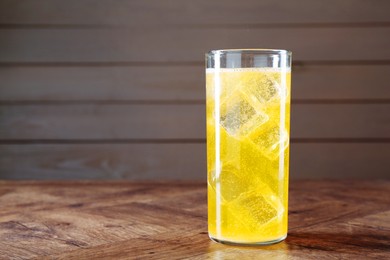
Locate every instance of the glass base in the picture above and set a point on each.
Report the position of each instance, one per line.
(265, 243)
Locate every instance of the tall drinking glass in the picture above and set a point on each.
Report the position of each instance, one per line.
(248, 125)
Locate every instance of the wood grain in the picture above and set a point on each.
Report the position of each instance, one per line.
(189, 44)
(179, 83)
(183, 161)
(84, 220)
(138, 12)
(169, 121)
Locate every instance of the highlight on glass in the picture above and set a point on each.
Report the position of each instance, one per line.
(248, 124)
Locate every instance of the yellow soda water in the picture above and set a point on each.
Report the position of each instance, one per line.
(248, 125)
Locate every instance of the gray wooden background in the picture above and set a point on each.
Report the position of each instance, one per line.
(99, 89)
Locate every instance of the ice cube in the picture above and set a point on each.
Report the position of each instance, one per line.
(270, 140)
(234, 182)
(257, 208)
(231, 184)
(262, 88)
(248, 203)
(239, 117)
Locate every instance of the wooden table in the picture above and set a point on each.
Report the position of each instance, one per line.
(168, 220)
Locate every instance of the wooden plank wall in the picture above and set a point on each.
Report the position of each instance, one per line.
(115, 89)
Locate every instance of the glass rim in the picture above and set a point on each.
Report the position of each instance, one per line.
(255, 51)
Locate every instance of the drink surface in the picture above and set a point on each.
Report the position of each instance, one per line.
(248, 115)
